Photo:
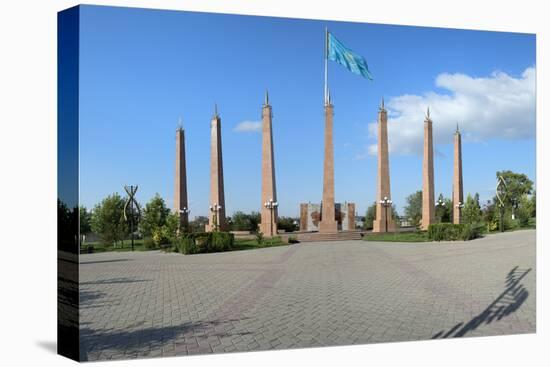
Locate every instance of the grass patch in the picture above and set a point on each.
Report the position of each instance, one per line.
(127, 246)
(252, 243)
(398, 237)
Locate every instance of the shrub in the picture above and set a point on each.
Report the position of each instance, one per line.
(471, 231)
(194, 243)
(149, 244)
(161, 236)
(221, 241)
(259, 238)
(292, 239)
(186, 245)
(454, 232)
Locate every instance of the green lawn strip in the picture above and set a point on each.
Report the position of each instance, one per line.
(250, 244)
(398, 237)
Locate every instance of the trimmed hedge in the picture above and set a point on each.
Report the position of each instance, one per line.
(194, 243)
(454, 232)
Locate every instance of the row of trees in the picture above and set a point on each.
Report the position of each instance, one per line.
(519, 205)
(157, 222)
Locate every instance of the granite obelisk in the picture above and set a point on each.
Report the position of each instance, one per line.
(268, 224)
(428, 208)
(181, 207)
(216, 219)
(384, 221)
(328, 222)
(458, 194)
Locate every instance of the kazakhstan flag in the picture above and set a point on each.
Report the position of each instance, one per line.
(346, 57)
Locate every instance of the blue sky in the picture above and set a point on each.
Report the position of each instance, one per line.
(141, 70)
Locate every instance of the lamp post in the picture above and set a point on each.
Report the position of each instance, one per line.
(440, 203)
(185, 211)
(271, 205)
(386, 203)
(132, 203)
(501, 191)
(459, 207)
(215, 209)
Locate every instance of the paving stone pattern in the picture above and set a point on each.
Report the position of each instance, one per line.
(152, 304)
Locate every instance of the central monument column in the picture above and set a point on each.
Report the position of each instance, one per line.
(428, 208)
(181, 207)
(268, 224)
(384, 221)
(328, 222)
(216, 218)
(458, 196)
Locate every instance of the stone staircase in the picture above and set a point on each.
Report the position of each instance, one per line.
(340, 236)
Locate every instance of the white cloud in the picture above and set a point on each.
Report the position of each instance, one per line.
(248, 127)
(497, 106)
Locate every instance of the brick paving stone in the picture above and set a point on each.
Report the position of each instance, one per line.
(150, 304)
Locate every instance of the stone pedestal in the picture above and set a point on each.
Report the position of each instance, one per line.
(428, 207)
(328, 222)
(268, 223)
(216, 219)
(180, 187)
(458, 195)
(384, 219)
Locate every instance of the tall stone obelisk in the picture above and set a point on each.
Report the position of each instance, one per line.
(428, 208)
(216, 218)
(328, 222)
(181, 207)
(458, 194)
(384, 221)
(268, 223)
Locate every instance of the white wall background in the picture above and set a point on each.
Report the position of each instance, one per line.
(28, 181)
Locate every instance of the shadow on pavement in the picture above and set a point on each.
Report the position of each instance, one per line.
(103, 261)
(506, 303)
(116, 281)
(130, 343)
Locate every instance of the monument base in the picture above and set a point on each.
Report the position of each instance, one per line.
(265, 228)
(328, 226)
(212, 228)
(425, 224)
(379, 226)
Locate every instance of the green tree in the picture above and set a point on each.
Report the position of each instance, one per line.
(287, 224)
(85, 218)
(240, 221)
(517, 185)
(198, 223)
(471, 213)
(525, 210)
(108, 219)
(172, 226)
(444, 212)
(370, 215)
(155, 215)
(413, 209)
(534, 204)
(254, 220)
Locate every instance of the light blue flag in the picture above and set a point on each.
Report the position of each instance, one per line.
(346, 57)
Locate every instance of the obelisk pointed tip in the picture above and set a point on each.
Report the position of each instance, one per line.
(457, 130)
(216, 110)
(266, 102)
(428, 113)
(382, 106)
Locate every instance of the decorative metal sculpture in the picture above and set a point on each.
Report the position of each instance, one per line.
(130, 204)
(501, 191)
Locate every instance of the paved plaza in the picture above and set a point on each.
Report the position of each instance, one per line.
(149, 304)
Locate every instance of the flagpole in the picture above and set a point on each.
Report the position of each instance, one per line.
(326, 64)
